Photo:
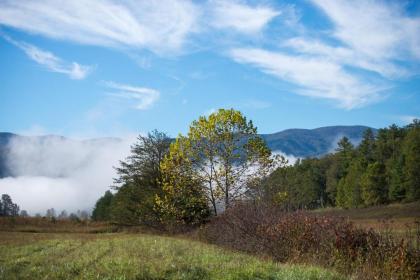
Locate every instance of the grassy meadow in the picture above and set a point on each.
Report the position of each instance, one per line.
(40, 248)
(134, 256)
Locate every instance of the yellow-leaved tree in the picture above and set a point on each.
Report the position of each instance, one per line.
(221, 160)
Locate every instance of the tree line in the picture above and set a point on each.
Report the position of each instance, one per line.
(383, 168)
(10, 209)
(222, 160)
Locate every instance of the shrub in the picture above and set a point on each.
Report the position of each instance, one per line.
(309, 238)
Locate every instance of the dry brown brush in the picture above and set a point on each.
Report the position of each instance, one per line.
(305, 237)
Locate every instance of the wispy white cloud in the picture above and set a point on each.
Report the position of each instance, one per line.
(381, 30)
(240, 16)
(315, 77)
(374, 36)
(367, 39)
(345, 56)
(164, 26)
(144, 97)
(53, 63)
(155, 25)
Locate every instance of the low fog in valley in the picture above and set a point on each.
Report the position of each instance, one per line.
(55, 172)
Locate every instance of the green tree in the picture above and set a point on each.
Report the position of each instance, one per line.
(225, 154)
(345, 152)
(411, 152)
(140, 180)
(183, 200)
(309, 184)
(128, 206)
(397, 186)
(102, 209)
(372, 184)
(349, 193)
(279, 188)
(367, 147)
(142, 167)
(333, 174)
(338, 171)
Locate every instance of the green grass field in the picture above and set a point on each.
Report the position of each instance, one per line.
(36, 248)
(129, 256)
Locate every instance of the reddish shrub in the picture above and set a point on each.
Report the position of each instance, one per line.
(309, 238)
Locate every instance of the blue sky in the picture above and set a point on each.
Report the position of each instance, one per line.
(114, 68)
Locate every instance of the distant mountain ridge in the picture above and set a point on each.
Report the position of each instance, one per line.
(293, 142)
(312, 142)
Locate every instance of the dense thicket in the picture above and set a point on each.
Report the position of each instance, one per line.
(383, 168)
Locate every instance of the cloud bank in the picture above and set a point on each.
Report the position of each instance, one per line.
(55, 172)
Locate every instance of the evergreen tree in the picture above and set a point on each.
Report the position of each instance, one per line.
(372, 184)
(345, 153)
(345, 150)
(411, 151)
(333, 174)
(367, 147)
(397, 190)
(309, 184)
(349, 193)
